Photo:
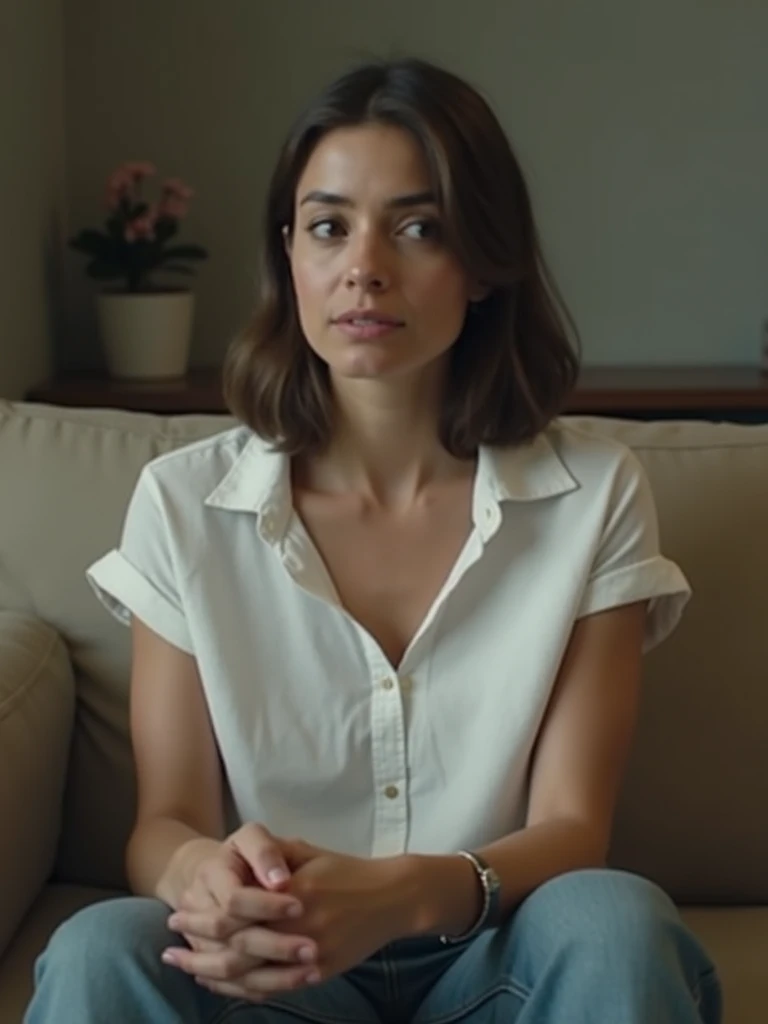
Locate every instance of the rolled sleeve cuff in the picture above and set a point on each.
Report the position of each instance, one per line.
(124, 592)
(656, 580)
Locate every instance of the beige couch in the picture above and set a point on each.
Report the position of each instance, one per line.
(694, 813)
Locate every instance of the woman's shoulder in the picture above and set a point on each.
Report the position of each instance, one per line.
(590, 453)
(195, 469)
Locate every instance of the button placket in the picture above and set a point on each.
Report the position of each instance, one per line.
(390, 818)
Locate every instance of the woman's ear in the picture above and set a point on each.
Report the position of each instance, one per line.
(287, 239)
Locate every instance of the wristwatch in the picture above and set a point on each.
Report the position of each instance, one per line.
(491, 889)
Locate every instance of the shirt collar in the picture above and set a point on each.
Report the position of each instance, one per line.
(259, 480)
(525, 472)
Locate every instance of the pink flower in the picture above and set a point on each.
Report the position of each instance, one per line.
(123, 180)
(142, 227)
(119, 185)
(173, 207)
(124, 186)
(178, 188)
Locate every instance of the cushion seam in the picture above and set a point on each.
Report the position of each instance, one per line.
(10, 702)
(106, 427)
(166, 434)
(689, 447)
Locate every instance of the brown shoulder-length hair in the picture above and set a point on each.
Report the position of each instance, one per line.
(514, 361)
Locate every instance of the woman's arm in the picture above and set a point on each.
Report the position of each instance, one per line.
(577, 767)
(180, 817)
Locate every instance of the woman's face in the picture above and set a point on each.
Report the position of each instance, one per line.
(378, 292)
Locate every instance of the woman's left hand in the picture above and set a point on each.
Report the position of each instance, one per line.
(352, 907)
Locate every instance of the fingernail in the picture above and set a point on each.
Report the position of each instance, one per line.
(277, 875)
(173, 921)
(313, 977)
(306, 954)
(294, 910)
(169, 957)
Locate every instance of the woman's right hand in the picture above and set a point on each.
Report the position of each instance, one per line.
(250, 857)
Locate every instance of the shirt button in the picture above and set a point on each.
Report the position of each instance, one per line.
(387, 683)
(391, 792)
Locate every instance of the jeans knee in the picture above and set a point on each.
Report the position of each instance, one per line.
(112, 930)
(608, 909)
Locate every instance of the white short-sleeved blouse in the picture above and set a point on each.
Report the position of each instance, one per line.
(319, 734)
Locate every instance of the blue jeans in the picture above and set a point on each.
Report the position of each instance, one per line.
(588, 947)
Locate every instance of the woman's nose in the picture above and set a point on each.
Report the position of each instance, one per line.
(368, 280)
(367, 268)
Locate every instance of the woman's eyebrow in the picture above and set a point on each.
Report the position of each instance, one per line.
(397, 202)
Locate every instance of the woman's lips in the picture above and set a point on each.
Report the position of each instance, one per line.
(365, 329)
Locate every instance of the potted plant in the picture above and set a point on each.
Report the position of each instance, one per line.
(145, 325)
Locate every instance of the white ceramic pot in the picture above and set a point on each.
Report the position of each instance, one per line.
(146, 335)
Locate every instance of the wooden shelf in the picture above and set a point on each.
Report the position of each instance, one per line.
(198, 392)
(670, 388)
(640, 392)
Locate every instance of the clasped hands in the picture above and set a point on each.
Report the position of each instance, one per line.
(265, 915)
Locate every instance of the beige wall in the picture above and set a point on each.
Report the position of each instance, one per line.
(642, 128)
(32, 187)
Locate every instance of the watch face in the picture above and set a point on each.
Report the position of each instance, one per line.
(491, 878)
(492, 883)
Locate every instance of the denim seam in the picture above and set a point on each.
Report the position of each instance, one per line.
(703, 981)
(390, 975)
(226, 1011)
(510, 987)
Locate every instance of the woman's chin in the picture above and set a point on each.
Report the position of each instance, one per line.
(368, 367)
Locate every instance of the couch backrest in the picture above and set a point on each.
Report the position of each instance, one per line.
(693, 811)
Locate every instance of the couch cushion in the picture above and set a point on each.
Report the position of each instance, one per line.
(67, 476)
(693, 813)
(37, 700)
(737, 943)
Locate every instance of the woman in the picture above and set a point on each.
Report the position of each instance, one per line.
(395, 619)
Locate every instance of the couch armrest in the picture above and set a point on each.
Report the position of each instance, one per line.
(37, 702)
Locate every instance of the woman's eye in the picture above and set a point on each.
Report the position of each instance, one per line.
(323, 229)
(422, 229)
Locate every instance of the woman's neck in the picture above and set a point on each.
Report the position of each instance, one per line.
(386, 447)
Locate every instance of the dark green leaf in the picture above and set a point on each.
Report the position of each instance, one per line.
(178, 268)
(116, 226)
(94, 243)
(103, 271)
(185, 252)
